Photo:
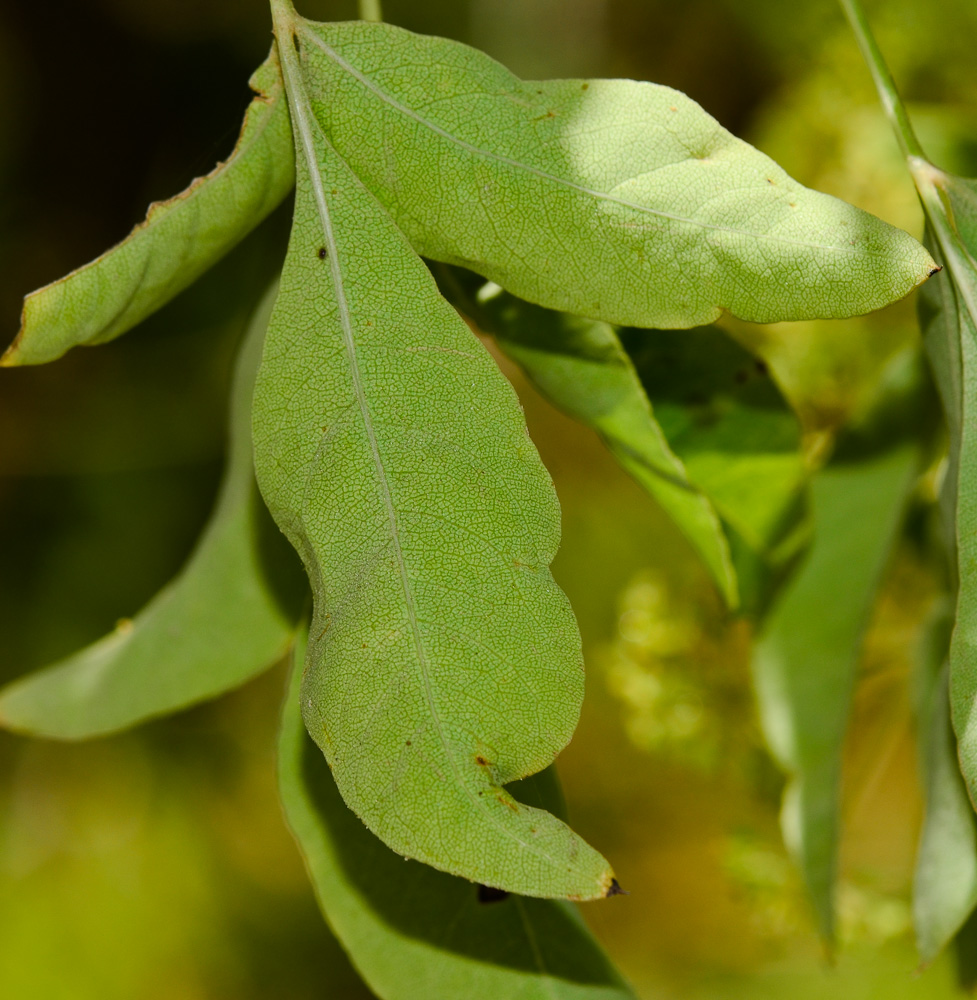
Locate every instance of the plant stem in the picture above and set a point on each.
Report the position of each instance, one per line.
(888, 94)
(370, 10)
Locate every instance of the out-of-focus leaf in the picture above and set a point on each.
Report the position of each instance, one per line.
(945, 884)
(805, 658)
(178, 241)
(612, 199)
(444, 662)
(415, 933)
(950, 332)
(580, 366)
(739, 441)
(229, 615)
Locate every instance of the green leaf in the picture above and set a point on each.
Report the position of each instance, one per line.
(414, 933)
(229, 615)
(610, 199)
(737, 438)
(805, 658)
(950, 335)
(178, 241)
(945, 883)
(444, 662)
(580, 366)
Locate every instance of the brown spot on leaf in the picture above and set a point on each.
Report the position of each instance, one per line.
(480, 760)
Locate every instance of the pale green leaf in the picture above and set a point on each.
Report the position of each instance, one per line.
(610, 199)
(580, 366)
(945, 882)
(414, 933)
(805, 658)
(178, 241)
(444, 662)
(229, 615)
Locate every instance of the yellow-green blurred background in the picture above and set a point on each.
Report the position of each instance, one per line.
(155, 865)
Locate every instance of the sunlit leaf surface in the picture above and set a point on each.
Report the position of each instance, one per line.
(178, 241)
(444, 662)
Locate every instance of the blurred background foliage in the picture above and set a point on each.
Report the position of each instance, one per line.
(155, 864)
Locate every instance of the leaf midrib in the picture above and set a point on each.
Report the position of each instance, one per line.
(388, 99)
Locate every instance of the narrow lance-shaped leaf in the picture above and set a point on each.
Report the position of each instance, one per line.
(444, 662)
(178, 241)
(950, 333)
(581, 367)
(804, 661)
(610, 199)
(945, 883)
(414, 933)
(230, 614)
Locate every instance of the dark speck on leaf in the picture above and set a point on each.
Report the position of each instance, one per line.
(761, 367)
(480, 760)
(323, 253)
(488, 894)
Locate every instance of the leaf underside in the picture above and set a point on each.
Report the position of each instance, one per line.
(805, 658)
(611, 199)
(229, 615)
(179, 240)
(444, 662)
(415, 933)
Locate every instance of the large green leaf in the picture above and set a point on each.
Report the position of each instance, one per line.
(415, 933)
(581, 367)
(805, 658)
(179, 240)
(611, 199)
(444, 662)
(230, 614)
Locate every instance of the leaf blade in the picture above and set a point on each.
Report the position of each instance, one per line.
(581, 367)
(218, 624)
(805, 658)
(179, 240)
(675, 219)
(415, 933)
(444, 660)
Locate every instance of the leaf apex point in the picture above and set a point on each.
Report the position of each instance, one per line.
(614, 889)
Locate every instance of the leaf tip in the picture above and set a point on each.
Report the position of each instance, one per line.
(614, 889)
(935, 269)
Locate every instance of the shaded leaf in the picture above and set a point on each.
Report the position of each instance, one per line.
(737, 438)
(178, 241)
(945, 882)
(949, 316)
(415, 933)
(444, 662)
(581, 367)
(229, 615)
(611, 199)
(805, 658)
